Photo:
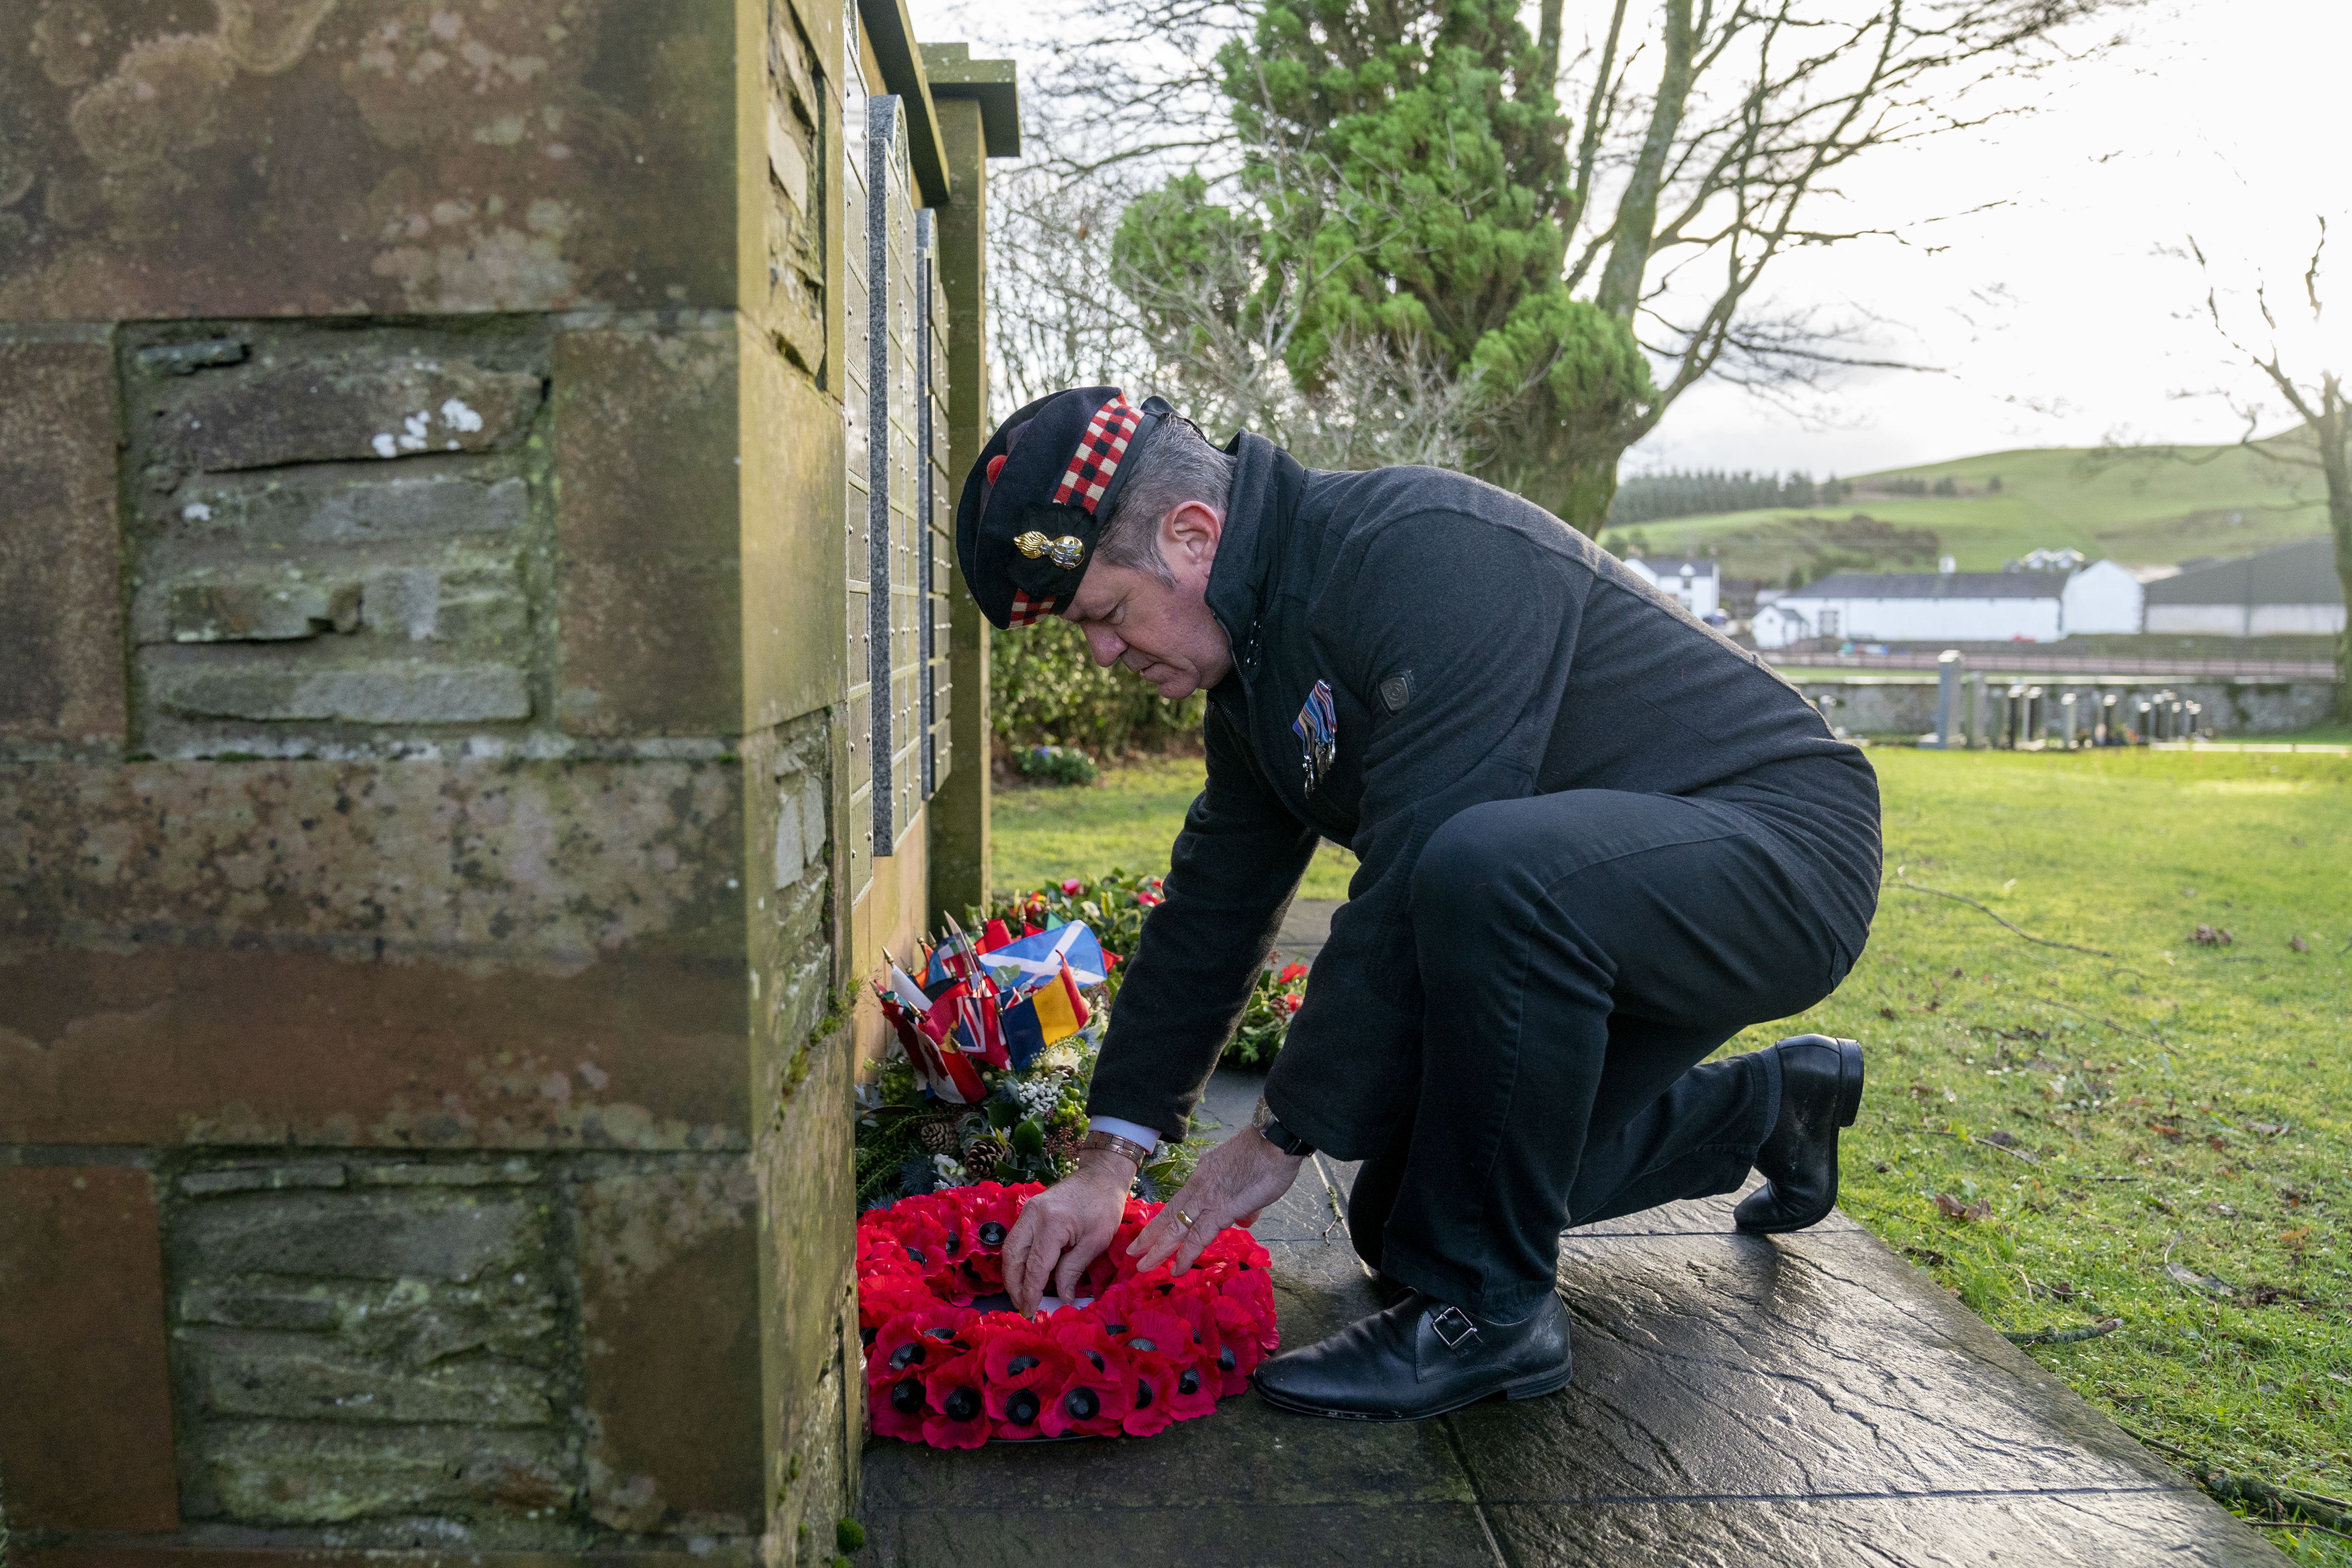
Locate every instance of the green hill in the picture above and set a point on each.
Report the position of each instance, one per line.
(2144, 505)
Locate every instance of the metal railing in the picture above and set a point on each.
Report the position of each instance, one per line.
(2085, 666)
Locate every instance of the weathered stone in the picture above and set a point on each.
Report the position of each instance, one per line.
(406, 1323)
(249, 1304)
(340, 506)
(284, 1472)
(648, 532)
(300, 412)
(424, 1235)
(262, 1178)
(263, 612)
(186, 359)
(85, 1403)
(677, 1417)
(60, 566)
(414, 693)
(298, 157)
(447, 1175)
(307, 1377)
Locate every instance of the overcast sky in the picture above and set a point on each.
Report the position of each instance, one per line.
(2052, 318)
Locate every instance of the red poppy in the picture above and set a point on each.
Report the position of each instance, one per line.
(994, 1209)
(959, 1411)
(1294, 972)
(1026, 1372)
(896, 1406)
(1073, 887)
(1100, 1392)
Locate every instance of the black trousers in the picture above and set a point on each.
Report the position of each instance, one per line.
(1581, 954)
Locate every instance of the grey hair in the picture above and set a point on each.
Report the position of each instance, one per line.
(1178, 466)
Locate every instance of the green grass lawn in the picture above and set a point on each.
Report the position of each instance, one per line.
(2142, 506)
(2146, 1128)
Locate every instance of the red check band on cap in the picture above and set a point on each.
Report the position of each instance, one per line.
(1027, 611)
(1099, 454)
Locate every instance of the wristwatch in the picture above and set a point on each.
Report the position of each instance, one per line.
(1276, 1133)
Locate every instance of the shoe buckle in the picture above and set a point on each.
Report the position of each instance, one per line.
(1452, 1326)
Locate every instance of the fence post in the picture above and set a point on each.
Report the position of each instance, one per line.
(1947, 692)
(1976, 709)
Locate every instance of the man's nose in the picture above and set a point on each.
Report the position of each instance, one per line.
(1104, 645)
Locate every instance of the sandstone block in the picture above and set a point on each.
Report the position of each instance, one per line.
(341, 506)
(85, 1401)
(310, 411)
(290, 1472)
(263, 612)
(649, 574)
(414, 693)
(60, 562)
(186, 359)
(262, 1178)
(426, 1234)
(310, 1377)
(678, 1422)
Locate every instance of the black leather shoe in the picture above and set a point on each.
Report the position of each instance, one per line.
(1420, 1358)
(1820, 1092)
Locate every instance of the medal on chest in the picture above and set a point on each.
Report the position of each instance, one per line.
(1318, 728)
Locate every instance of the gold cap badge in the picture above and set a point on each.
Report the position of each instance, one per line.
(1066, 551)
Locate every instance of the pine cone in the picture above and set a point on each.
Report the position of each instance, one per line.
(937, 1136)
(982, 1157)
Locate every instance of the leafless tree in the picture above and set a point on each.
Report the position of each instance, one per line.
(2287, 338)
(1714, 132)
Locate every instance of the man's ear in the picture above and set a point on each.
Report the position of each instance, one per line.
(1189, 535)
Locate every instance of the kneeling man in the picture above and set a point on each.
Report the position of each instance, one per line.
(1597, 840)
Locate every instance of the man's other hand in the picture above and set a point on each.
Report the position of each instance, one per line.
(1232, 1185)
(1065, 1228)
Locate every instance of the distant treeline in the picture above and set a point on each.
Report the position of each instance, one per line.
(1709, 491)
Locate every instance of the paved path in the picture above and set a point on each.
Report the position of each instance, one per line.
(1809, 1399)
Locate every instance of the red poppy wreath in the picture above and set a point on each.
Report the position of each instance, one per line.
(944, 1368)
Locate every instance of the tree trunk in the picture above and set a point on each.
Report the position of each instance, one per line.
(2333, 430)
(1637, 214)
(1575, 479)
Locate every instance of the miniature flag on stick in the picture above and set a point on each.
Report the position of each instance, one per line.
(1037, 957)
(1050, 1012)
(943, 1072)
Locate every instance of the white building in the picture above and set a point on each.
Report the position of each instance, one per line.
(1693, 583)
(1955, 607)
(2291, 590)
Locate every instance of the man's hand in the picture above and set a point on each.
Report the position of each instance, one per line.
(1065, 1228)
(1232, 1185)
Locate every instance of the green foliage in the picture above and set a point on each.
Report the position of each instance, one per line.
(1410, 164)
(1055, 764)
(1045, 690)
(1265, 1022)
(849, 1535)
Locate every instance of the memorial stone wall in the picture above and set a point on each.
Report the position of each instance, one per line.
(431, 894)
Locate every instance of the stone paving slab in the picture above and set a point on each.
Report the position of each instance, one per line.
(1808, 1400)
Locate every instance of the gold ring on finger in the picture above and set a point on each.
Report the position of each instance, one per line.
(1184, 1219)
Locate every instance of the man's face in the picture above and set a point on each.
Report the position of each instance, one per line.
(1161, 631)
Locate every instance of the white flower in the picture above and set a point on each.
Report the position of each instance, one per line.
(951, 1173)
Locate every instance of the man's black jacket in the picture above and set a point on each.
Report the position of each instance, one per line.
(1476, 650)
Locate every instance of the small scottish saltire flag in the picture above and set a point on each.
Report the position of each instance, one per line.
(1034, 958)
(1318, 728)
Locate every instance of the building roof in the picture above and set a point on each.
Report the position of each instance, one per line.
(2301, 573)
(1932, 585)
(1659, 568)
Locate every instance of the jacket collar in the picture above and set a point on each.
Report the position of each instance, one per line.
(1268, 484)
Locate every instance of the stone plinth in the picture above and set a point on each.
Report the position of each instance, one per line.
(425, 937)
